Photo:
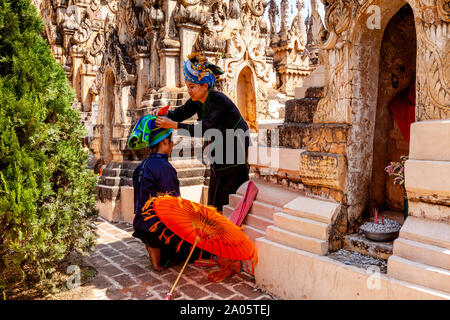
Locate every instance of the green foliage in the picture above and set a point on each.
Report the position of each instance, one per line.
(47, 195)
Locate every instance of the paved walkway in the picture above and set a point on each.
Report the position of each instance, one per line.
(124, 272)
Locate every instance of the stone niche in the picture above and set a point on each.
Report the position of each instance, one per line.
(397, 74)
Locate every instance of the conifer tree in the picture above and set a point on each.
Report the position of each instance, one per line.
(47, 195)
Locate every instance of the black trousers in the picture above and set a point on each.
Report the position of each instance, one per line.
(225, 180)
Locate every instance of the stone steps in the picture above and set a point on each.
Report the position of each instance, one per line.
(253, 233)
(426, 231)
(296, 240)
(422, 253)
(258, 208)
(288, 217)
(190, 173)
(191, 181)
(314, 209)
(304, 224)
(260, 215)
(418, 273)
(115, 181)
(273, 195)
(306, 227)
(106, 192)
(297, 274)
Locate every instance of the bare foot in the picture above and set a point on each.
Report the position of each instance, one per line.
(154, 255)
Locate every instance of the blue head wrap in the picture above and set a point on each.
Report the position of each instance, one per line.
(196, 74)
(146, 133)
(198, 70)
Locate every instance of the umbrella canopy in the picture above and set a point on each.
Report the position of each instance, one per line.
(193, 222)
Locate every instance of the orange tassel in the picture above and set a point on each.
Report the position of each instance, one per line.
(154, 227)
(168, 239)
(149, 217)
(179, 245)
(162, 234)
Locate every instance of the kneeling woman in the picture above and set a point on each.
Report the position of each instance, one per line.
(229, 168)
(155, 175)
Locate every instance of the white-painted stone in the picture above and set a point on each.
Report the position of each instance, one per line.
(277, 159)
(127, 204)
(295, 274)
(307, 227)
(430, 140)
(253, 233)
(421, 274)
(270, 194)
(314, 209)
(258, 207)
(296, 240)
(429, 211)
(428, 177)
(422, 253)
(426, 231)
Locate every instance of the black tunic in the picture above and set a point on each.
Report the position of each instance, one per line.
(229, 168)
(156, 175)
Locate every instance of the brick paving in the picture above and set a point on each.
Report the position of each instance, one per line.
(125, 272)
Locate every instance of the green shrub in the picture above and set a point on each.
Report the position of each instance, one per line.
(47, 195)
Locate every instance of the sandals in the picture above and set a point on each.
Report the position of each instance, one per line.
(205, 263)
(220, 275)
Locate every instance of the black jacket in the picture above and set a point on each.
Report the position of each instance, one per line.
(218, 112)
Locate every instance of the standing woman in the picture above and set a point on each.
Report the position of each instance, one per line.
(229, 168)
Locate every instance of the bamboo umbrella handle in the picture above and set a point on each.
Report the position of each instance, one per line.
(169, 295)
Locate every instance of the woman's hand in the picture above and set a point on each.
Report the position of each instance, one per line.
(166, 123)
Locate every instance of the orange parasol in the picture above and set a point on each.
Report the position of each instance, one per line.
(203, 227)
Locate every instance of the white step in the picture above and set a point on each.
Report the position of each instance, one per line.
(418, 273)
(426, 231)
(306, 227)
(227, 210)
(253, 233)
(423, 253)
(251, 220)
(258, 208)
(257, 222)
(314, 209)
(296, 241)
(270, 194)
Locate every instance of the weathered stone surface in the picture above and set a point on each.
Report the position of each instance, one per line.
(300, 110)
(293, 135)
(429, 211)
(329, 138)
(359, 243)
(323, 169)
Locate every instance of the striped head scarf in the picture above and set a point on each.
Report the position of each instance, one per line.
(198, 70)
(146, 133)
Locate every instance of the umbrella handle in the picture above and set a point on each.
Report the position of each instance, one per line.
(169, 295)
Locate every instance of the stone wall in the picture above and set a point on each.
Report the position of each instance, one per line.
(351, 54)
(349, 135)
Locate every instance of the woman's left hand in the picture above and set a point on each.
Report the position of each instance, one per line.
(166, 123)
